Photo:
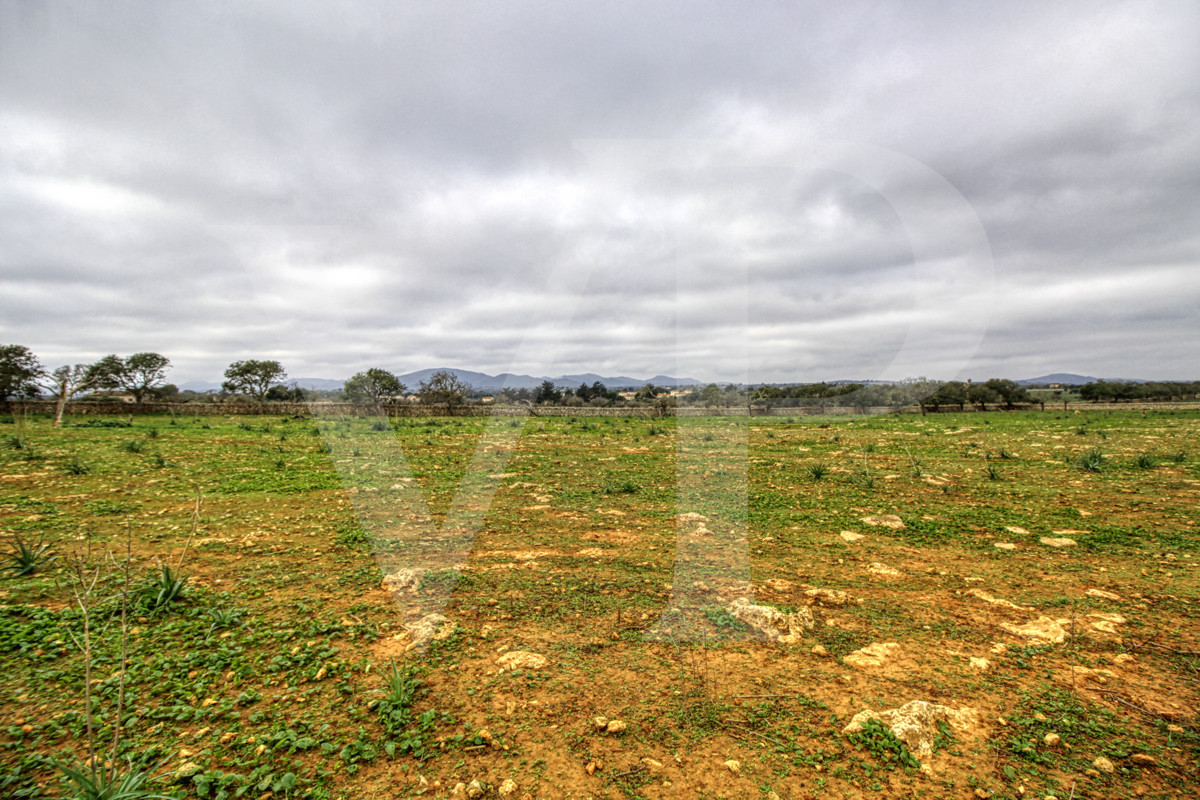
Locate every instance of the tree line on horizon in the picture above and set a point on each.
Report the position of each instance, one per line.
(142, 376)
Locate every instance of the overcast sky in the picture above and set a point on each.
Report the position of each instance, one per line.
(727, 191)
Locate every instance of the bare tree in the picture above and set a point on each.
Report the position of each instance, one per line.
(66, 382)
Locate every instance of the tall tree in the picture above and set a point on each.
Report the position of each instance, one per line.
(19, 371)
(547, 393)
(443, 388)
(253, 377)
(373, 386)
(66, 382)
(139, 374)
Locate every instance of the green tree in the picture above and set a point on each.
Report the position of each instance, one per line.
(253, 377)
(981, 394)
(139, 374)
(373, 386)
(443, 388)
(1008, 391)
(19, 372)
(64, 383)
(950, 393)
(547, 393)
(282, 394)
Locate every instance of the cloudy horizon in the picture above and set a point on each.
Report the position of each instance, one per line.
(750, 193)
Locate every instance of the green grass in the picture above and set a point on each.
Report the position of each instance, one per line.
(282, 625)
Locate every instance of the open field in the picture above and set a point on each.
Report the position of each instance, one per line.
(614, 549)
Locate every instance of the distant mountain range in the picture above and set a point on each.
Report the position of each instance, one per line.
(1071, 378)
(481, 381)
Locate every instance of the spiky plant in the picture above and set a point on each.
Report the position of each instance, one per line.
(108, 783)
(1091, 461)
(163, 589)
(25, 559)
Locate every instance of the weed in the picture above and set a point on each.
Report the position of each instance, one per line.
(1005, 455)
(152, 433)
(110, 783)
(159, 461)
(817, 471)
(624, 487)
(132, 446)
(1177, 458)
(352, 534)
(863, 478)
(17, 443)
(380, 425)
(884, 744)
(1146, 462)
(76, 467)
(993, 474)
(25, 559)
(1091, 461)
(161, 590)
(225, 617)
(654, 430)
(103, 423)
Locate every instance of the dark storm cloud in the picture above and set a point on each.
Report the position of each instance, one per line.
(405, 185)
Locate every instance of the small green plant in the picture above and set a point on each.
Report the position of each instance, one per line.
(132, 446)
(1178, 458)
(225, 617)
(624, 487)
(380, 425)
(400, 689)
(159, 461)
(25, 559)
(817, 471)
(1081, 431)
(17, 443)
(110, 783)
(352, 534)
(863, 478)
(76, 467)
(1091, 461)
(161, 590)
(153, 432)
(654, 430)
(723, 620)
(1004, 455)
(1146, 462)
(993, 474)
(884, 744)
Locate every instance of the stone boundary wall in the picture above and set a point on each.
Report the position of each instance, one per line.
(86, 408)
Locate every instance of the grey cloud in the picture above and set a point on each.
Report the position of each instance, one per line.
(397, 184)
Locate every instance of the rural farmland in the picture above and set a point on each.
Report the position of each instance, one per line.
(607, 607)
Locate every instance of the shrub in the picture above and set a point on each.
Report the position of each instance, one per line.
(1091, 461)
(26, 559)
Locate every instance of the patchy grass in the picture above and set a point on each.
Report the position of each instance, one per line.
(267, 659)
